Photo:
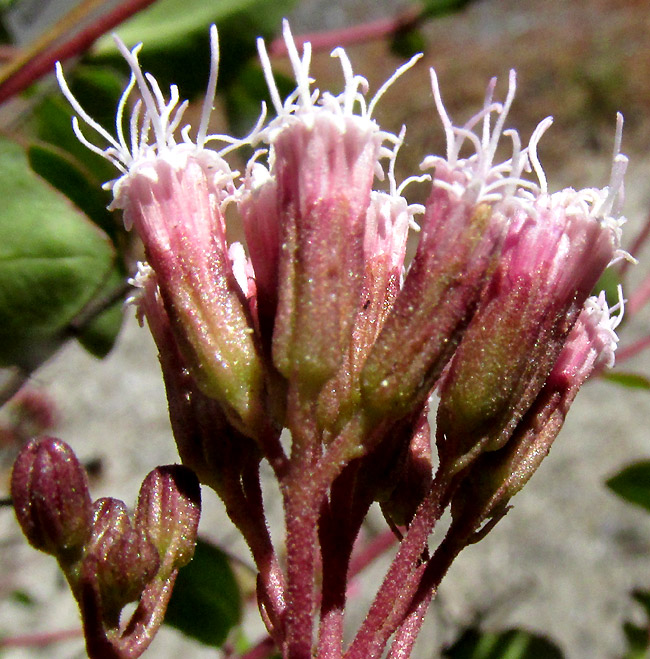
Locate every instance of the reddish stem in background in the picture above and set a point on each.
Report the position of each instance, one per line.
(375, 548)
(639, 297)
(43, 63)
(41, 640)
(263, 650)
(632, 350)
(354, 34)
(637, 245)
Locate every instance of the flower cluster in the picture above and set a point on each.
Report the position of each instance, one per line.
(319, 325)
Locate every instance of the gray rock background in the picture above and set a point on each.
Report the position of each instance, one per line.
(564, 560)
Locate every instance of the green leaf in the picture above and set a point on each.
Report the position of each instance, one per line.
(438, 8)
(637, 635)
(23, 598)
(167, 22)
(643, 598)
(52, 119)
(609, 282)
(176, 38)
(406, 43)
(630, 380)
(511, 644)
(242, 99)
(53, 261)
(633, 484)
(206, 602)
(98, 334)
(61, 171)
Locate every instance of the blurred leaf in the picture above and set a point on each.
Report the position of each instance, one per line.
(23, 598)
(61, 171)
(53, 124)
(643, 598)
(243, 98)
(205, 603)
(608, 282)
(53, 261)
(511, 644)
(436, 8)
(638, 637)
(637, 640)
(98, 335)
(176, 38)
(98, 89)
(631, 380)
(633, 484)
(406, 43)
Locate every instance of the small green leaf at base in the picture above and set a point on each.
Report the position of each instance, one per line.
(637, 635)
(511, 644)
(630, 380)
(206, 602)
(633, 484)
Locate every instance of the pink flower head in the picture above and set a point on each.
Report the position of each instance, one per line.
(496, 476)
(591, 344)
(465, 219)
(174, 194)
(313, 200)
(557, 247)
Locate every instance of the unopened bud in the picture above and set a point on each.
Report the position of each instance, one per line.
(459, 243)
(49, 488)
(120, 556)
(168, 511)
(550, 261)
(496, 476)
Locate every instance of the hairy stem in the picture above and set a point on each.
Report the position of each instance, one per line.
(401, 581)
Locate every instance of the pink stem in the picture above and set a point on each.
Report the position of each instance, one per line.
(40, 640)
(43, 63)
(407, 634)
(399, 584)
(354, 34)
(271, 578)
(304, 489)
(632, 350)
(637, 245)
(302, 497)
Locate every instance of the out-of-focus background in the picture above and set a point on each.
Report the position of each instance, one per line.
(565, 560)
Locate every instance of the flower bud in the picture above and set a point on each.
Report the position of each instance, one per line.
(49, 488)
(464, 222)
(496, 476)
(322, 162)
(552, 257)
(120, 558)
(168, 511)
(458, 244)
(387, 225)
(173, 194)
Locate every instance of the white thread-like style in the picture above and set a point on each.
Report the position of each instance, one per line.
(304, 104)
(153, 114)
(605, 324)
